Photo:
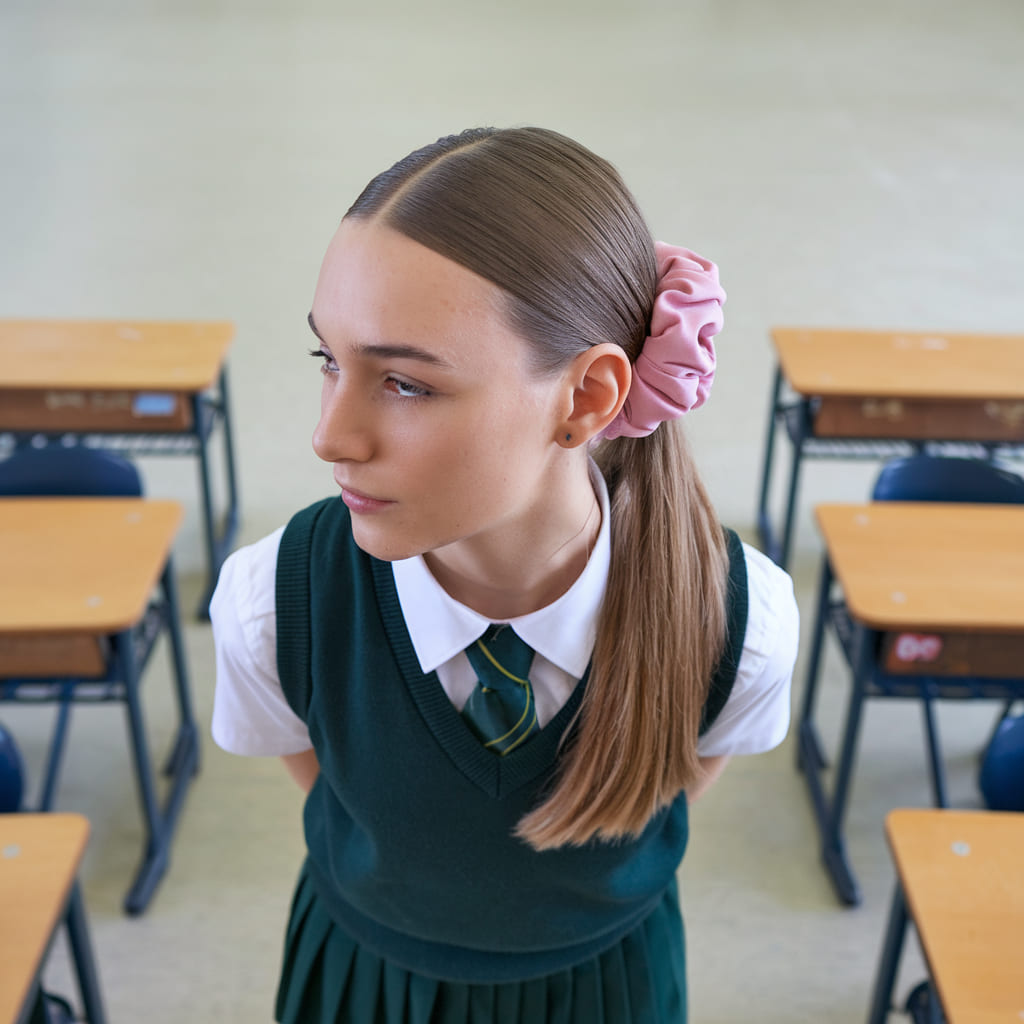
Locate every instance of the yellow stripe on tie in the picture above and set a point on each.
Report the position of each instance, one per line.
(530, 709)
(501, 668)
(526, 734)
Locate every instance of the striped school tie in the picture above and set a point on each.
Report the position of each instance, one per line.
(501, 709)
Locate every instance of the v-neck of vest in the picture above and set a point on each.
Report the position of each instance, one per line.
(495, 774)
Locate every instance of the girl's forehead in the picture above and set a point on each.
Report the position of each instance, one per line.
(378, 260)
(376, 282)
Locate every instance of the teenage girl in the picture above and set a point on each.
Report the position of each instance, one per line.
(505, 355)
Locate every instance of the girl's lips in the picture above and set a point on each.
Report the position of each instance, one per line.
(361, 503)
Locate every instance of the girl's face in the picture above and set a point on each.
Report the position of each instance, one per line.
(438, 431)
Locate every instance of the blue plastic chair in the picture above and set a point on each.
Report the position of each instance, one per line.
(922, 1005)
(1001, 776)
(937, 478)
(12, 773)
(56, 471)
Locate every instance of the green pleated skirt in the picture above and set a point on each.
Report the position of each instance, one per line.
(328, 978)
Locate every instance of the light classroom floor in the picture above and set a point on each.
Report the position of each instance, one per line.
(849, 163)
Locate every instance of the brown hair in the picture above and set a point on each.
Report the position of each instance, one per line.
(553, 226)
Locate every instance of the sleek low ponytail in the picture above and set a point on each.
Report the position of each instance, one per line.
(659, 639)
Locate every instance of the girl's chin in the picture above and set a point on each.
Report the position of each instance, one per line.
(378, 544)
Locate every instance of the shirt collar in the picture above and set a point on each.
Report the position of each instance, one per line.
(563, 631)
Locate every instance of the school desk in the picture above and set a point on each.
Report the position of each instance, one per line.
(139, 387)
(39, 858)
(87, 590)
(960, 879)
(926, 601)
(881, 394)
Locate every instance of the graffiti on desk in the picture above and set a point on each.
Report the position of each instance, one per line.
(917, 647)
(105, 401)
(1009, 414)
(882, 408)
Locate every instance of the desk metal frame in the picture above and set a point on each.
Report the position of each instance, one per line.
(889, 962)
(130, 651)
(210, 409)
(794, 415)
(859, 645)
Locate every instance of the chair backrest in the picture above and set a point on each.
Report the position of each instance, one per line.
(937, 478)
(1001, 778)
(12, 773)
(57, 471)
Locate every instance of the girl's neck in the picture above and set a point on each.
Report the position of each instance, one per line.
(530, 564)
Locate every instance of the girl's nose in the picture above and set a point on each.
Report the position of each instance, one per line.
(343, 432)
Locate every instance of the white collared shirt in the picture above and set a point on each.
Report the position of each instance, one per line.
(562, 634)
(251, 715)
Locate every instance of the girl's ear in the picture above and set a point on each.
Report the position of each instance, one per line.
(597, 383)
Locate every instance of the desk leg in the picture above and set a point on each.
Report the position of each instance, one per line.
(763, 525)
(85, 965)
(159, 823)
(834, 847)
(935, 765)
(55, 752)
(829, 810)
(889, 962)
(778, 548)
(184, 756)
(785, 545)
(154, 861)
(809, 756)
(218, 544)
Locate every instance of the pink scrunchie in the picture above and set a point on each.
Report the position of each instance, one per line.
(676, 365)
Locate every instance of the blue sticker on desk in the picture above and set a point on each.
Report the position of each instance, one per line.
(153, 404)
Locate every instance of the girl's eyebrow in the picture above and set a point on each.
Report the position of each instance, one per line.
(312, 325)
(390, 351)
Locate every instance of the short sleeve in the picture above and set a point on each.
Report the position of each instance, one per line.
(756, 716)
(250, 713)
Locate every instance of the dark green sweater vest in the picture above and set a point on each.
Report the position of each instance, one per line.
(409, 825)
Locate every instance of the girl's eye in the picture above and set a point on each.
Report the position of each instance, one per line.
(327, 364)
(405, 389)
